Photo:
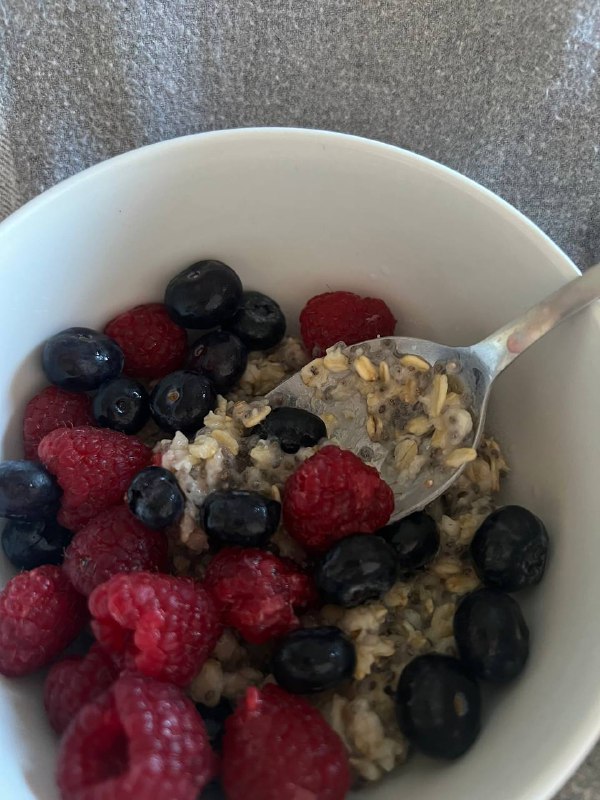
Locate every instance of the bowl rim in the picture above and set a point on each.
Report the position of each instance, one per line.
(236, 135)
(574, 752)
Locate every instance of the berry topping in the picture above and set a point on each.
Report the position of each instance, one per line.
(303, 591)
(50, 409)
(114, 541)
(181, 400)
(313, 660)
(438, 705)
(204, 295)
(27, 491)
(153, 345)
(122, 404)
(221, 357)
(259, 322)
(356, 569)
(510, 549)
(415, 539)
(165, 627)
(255, 592)
(80, 359)
(93, 467)
(29, 544)
(140, 740)
(343, 317)
(333, 494)
(214, 718)
(248, 519)
(278, 747)
(40, 614)
(73, 682)
(155, 498)
(293, 428)
(491, 635)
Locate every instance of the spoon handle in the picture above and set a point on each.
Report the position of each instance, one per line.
(501, 348)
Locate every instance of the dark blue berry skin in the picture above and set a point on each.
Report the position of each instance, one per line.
(510, 549)
(80, 359)
(221, 357)
(235, 517)
(27, 491)
(204, 295)
(214, 719)
(438, 706)
(356, 569)
(293, 428)
(415, 539)
(491, 635)
(181, 400)
(259, 322)
(121, 404)
(30, 544)
(313, 660)
(154, 497)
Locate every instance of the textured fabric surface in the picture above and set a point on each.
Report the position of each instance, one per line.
(505, 91)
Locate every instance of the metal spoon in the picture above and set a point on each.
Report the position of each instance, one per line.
(476, 367)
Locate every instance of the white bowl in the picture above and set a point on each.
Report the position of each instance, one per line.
(300, 212)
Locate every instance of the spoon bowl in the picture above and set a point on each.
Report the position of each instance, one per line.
(462, 363)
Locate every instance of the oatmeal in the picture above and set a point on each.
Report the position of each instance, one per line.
(422, 417)
(231, 549)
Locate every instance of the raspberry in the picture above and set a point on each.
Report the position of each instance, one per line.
(73, 682)
(93, 466)
(114, 541)
(303, 590)
(140, 740)
(343, 317)
(333, 494)
(50, 409)
(256, 592)
(278, 747)
(40, 614)
(165, 627)
(153, 345)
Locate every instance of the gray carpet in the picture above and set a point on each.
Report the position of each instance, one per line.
(505, 91)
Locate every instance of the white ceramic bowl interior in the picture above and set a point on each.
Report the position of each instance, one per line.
(301, 212)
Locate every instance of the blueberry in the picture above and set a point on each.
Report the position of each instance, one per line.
(27, 491)
(30, 544)
(232, 517)
(510, 549)
(80, 359)
(438, 706)
(181, 400)
(259, 322)
(221, 356)
(358, 568)
(293, 428)
(214, 719)
(154, 497)
(313, 660)
(121, 404)
(415, 539)
(491, 635)
(204, 295)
